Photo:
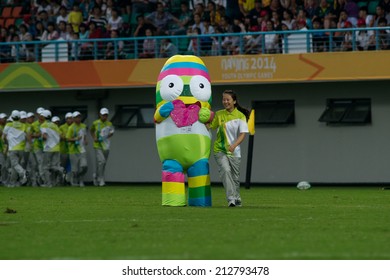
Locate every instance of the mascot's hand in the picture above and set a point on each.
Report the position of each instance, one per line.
(205, 115)
(166, 109)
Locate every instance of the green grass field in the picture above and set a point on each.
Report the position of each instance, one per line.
(275, 223)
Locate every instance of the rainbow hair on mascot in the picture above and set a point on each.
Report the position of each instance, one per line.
(183, 102)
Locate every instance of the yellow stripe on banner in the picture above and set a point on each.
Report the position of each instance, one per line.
(199, 181)
(173, 188)
(251, 123)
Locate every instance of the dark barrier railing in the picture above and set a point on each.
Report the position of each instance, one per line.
(285, 42)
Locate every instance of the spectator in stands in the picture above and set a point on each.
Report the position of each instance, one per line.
(102, 4)
(384, 35)
(75, 47)
(255, 12)
(214, 14)
(246, 6)
(51, 33)
(288, 20)
(5, 50)
(124, 6)
(148, 45)
(380, 13)
(200, 9)
(55, 6)
(43, 17)
(11, 32)
(352, 10)
(167, 48)
(231, 44)
(62, 30)
(110, 6)
(365, 39)
(86, 8)
(185, 18)
(225, 25)
(161, 19)
(140, 30)
(69, 32)
(115, 46)
(320, 39)
(45, 6)
(63, 15)
(87, 48)
(39, 30)
(310, 8)
(386, 5)
(271, 40)
(140, 7)
(98, 18)
(216, 42)
(83, 32)
(346, 44)
(363, 14)
(115, 21)
(276, 7)
(303, 16)
(198, 23)
(325, 13)
(23, 33)
(275, 18)
(343, 19)
(75, 17)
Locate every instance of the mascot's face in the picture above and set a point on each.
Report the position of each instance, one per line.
(184, 77)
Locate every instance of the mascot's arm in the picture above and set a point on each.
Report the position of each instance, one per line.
(163, 112)
(205, 115)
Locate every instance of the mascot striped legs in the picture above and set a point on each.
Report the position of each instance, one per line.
(199, 191)
(173, 188)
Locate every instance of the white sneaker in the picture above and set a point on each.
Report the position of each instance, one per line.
(23, 180)
(82, 184)
(232, 204)
(95, 181)
(102, 183)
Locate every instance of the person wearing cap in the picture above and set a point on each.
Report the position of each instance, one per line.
(51, 136)
(15, 135)
(101, 132)
(365, 39)
(28, 149)
(77, 139)
(3, 149)
(64, 149)
(37, 149)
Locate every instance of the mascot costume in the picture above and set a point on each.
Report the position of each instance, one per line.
(183, 102)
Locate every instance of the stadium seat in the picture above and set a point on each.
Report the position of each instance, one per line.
(17, 11)
(372, 7)
(6, 12)
(362, 4)
(2, 22)
(9, 22)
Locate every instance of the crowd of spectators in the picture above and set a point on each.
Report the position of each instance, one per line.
(45, 20)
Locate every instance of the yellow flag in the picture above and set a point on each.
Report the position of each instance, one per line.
(251, 122)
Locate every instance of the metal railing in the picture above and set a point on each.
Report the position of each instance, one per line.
(285, 42)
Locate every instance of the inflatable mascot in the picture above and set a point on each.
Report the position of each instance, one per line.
(183, 99)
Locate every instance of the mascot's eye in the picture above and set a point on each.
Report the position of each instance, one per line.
(171, 87)
(200, 88)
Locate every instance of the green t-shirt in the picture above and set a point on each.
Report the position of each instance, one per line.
(52, 142)
(37, 143)
(102, 130)
(230, 126)
(75, 130)
(64, 149)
